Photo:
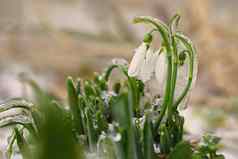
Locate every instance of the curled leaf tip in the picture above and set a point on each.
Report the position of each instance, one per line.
(178, 14)
(140, 19)
(137, 20)
(175, 20)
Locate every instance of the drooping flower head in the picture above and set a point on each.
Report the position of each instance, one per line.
(170, 71)
(142, 65)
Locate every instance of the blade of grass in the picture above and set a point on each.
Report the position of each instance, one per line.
(148, 139)
(74, 105)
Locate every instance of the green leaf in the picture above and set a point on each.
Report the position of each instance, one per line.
(181, 151)
(107, 148)
(89, 89)
(123, 114)
(56, 137)
(219, 157)
(174, 22)
(22, 145)
(101, 82)
(78, 86)
(148, 139)
(74, 105)
(11, 142)
(164, 139)
(197, 156)
(91, 132)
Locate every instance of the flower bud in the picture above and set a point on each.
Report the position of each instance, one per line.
(182, 58)
(148, 38)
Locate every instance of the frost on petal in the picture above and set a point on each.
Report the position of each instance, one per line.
(137, 60)
(152, 89)
(148, 66)
(155, 86)
(161, 72)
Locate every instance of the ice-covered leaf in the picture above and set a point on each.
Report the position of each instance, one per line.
(181, 151)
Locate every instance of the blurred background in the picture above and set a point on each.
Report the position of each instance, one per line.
(48, 40)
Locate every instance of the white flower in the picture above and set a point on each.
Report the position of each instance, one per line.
(143, 63)
(137, 60)
(161, 69)
(155, 86)
(148, 66)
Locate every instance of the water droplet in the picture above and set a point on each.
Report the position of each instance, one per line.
(116, 137)
(162, 133)
(156, 148)
(173, 118)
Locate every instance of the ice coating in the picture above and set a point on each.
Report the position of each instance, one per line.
(143, 63)
(161, 72)
(113, 134)
(156, 85)
(148, 66)
(137, 60)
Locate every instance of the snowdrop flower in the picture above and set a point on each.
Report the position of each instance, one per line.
(143, 63)
(155, 86)
(137, 60)
(160, 69)
(148, 66)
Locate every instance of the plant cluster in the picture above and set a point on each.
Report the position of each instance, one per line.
(117, 120)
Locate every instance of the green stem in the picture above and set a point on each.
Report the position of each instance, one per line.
(191, 52)
(167, 96)
(165, 34)
(174, 21)
(133, 88)
(174, 76)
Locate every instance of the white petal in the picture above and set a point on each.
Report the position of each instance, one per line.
(155, 86)
(148, 66)
(152, 88)
(137, 60)
(161, 71)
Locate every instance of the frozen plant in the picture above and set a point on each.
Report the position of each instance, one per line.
(137, 118)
